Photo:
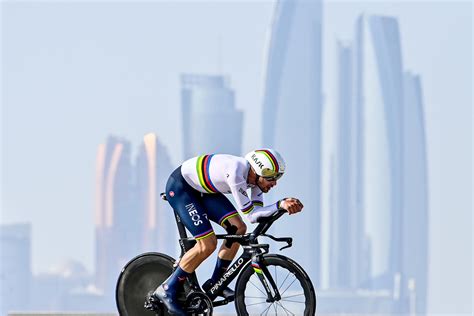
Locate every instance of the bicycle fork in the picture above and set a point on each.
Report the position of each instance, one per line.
(264, 275)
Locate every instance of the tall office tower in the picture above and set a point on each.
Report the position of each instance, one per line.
(15, 267)
(381, 89)
(211, 123)
(115, 215)
(395, 163)
(157, 229)
(349, 263)
(415, 218)
(291, 121)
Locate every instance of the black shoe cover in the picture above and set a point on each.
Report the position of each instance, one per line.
(169, 301)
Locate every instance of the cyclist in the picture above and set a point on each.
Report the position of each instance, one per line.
(196, 191)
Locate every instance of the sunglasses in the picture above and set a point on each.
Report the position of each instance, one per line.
(274, 178)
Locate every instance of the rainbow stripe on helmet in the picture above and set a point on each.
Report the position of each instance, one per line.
(271, 157)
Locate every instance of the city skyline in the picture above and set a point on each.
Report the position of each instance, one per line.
(430, 149)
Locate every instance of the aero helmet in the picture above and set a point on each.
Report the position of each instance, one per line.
(267, 163)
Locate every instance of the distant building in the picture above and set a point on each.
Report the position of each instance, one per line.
(114, 212)
(51, 289)
(15, 267)
(131, 218)
(379, 75)
(395, 177)
(157, 227)
(211, 123)
(415, 219)
(291, 121)
(349, 261)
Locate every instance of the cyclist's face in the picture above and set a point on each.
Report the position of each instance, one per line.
(265, 184)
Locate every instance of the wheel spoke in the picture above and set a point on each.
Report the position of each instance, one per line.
(281, 285)
(292, 295)
(257, 288)
(285, 309)
(288, 286)
(253, 304)
(279, 304)
(292, 301)
(266, 310)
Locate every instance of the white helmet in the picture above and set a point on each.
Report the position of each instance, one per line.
(267, 163)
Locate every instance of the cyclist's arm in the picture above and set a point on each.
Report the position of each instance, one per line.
(253, 209)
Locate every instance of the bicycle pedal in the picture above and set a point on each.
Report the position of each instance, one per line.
(221, 302)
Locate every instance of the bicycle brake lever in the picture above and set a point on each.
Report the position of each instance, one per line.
(290, 243)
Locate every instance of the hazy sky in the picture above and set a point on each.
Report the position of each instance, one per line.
(72, 74)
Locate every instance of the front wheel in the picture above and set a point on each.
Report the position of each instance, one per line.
(296, 290)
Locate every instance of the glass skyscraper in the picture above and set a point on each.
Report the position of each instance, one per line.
(211, 123)
(349, 258)
(415, 219)
(114, 230)
(291, 121)
(157, 227)
(395, 178)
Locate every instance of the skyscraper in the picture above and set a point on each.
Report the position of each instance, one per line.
(415, 219)
(348, 249)
(157, 229)
(15, 267)
(380, 75)
(211, 123)
(113, 217)
(291, 120)
(395, 186)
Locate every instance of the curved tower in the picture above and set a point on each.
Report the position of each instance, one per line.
(291, 120)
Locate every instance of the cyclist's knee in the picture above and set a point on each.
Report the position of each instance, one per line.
(241, 228)
(236, 226)
(207, 246)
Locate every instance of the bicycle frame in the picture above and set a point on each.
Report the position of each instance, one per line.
(253, 252)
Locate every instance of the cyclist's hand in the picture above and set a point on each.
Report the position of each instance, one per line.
(291, 205)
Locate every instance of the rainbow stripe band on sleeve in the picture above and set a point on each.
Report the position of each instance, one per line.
(202, 168)
(257, 203)
(204, 235)
(248, 209)
(227, 216)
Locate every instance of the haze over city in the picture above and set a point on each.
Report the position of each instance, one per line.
(75, 73)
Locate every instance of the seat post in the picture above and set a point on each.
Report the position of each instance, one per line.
(181, 229)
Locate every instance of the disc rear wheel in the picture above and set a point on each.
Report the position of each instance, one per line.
(138, 278)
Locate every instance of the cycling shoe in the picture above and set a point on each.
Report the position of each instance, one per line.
(227, 293)
(168, 300)
(152, 302)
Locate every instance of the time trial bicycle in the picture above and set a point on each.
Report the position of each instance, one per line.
(267, 284)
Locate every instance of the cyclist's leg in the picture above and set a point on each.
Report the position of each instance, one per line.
(186, 202)
(221, 211)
